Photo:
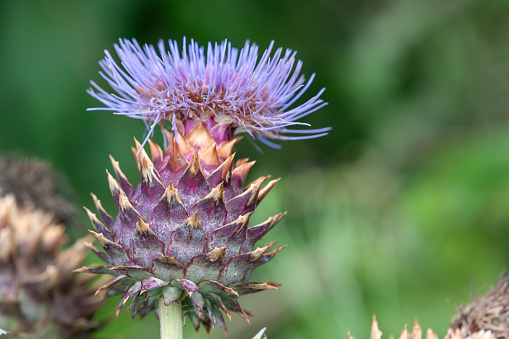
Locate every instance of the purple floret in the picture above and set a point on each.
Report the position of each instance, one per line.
(221, 85)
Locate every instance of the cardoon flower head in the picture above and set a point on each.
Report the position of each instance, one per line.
(226, 89)
(183, 235)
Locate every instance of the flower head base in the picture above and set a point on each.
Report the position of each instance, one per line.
(227, 90)
(183, 234)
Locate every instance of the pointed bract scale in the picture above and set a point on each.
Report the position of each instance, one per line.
(188, 240)
(206, 266)
(99, 227)
(136, 305)
(156, 153)
(193, 183)
(223, 174)
(168, 214)
(248, 288)
(220, 131)
(152, 283)
(111, 283)
(96, 270)
(264, 191)
(167, 268)
(220, 303)
(212, 286)
(257, 182)
(188, 285)
(207, 322)
(219, 320)
(375, 331)
(256, 232)
(148, 246)
(147, 307)
(184, 145)
(103, 256)
(231, 236)
(124, 183)
(216, 255)
(198, 301)
(268, 256)
(209, 159)
(174, 163)
(116, 290)
(244, 203)
(416, 331)
(239, 269)
(114, 187)
(134, 289)
(170, 295)
(207, 317)
(241, 162)
(108, 220)
(200, 138)
(196, 320)
(178, 161)
(116, 253)
(404, 333)
(211, 209)
(125, 224)
(239, 174)
(234, 305)
(225, 149)
(151, 187)
(430, 334)
(134, 271)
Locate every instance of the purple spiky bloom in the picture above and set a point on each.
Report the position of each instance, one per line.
(220, 86)
(183, 236)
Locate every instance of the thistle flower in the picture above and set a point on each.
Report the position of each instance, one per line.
(40, 297)
(182, 236)
(226, 89)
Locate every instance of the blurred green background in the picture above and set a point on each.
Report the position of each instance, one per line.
(402, 208)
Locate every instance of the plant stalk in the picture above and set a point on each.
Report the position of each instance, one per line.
(171, 320)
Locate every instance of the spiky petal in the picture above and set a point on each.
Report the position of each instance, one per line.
(183, 233)
(226, 89)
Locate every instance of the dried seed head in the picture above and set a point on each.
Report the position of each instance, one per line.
(38, 289)
(489, 313)
(36, 185)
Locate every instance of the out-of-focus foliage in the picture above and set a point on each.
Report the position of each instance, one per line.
(405, 205)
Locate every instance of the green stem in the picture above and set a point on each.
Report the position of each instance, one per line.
(171, 320)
